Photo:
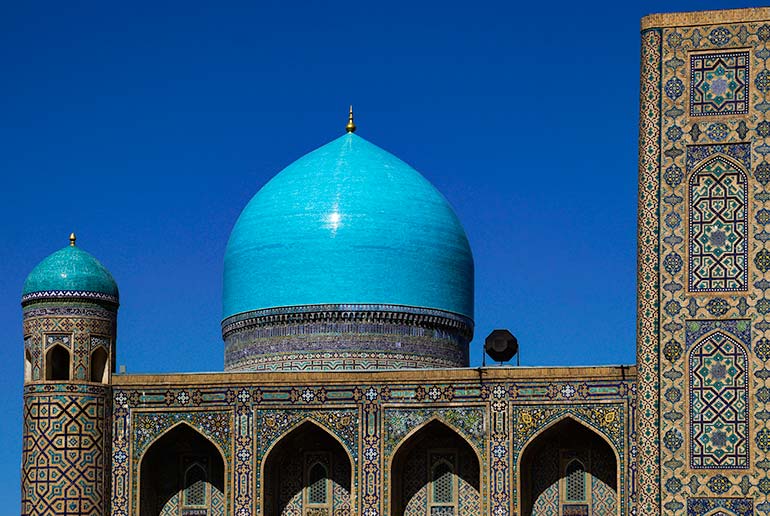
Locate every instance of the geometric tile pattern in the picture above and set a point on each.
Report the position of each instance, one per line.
(718, 227)
(647, 431)
(687, 150)
(359, 415)
(719, 83)
(64, 462)
(719, 420)
(65, 455)
(712, 506)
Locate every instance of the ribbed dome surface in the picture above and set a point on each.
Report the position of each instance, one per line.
(348, 223)
(70, 269)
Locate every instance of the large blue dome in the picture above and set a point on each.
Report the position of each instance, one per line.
(348, 223)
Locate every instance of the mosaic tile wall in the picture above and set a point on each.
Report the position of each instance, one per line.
(344, 337)
(703, 270)
(370, 421)
(65, 448)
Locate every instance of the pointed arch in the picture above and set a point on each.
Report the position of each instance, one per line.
(564, 442)
(195, 478)
(435, 468)
(290, 472)
(717, 225)
(27, 366)
(720, 512)
(438, 419)
(310, 421)
(718, 389)
(167, 471)
(57, 363)
(100, 371)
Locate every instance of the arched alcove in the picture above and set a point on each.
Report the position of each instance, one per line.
(435, 471)
(27, 366)
(182, 473)
(307, 473)
(57, 363)
(99, 370)
(568, 469)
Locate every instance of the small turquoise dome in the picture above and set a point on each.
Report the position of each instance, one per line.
(348, 223)
(70, 270)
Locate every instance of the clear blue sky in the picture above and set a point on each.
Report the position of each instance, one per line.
(147, 127)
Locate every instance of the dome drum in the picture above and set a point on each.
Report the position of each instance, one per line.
(328, 337)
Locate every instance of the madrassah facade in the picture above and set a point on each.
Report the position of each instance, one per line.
(348, 311)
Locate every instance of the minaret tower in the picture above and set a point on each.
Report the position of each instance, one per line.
(70, 307)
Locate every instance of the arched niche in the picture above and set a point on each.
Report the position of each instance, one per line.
(435, 471)
(307, 473)
(568, 469)
(57, 363)
(100, 371)
(182, 473)
(27, 366)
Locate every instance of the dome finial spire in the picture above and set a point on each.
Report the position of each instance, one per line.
(72, 239)
(351, 127)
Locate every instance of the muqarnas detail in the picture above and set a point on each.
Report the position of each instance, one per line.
(719, 83)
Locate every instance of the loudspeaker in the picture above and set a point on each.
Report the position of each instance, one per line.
(501, 345)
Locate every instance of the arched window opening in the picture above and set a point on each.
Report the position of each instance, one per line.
(575, 482)
(27, 366)
(99, 369)
(307, 473)
(182, 474)
(318, 484)
(57, 364)
(195, 485)
(568, 469)
(435, 471)
(443, 491)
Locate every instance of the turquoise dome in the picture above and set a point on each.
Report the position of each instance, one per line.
(70, 270)
(348, 223)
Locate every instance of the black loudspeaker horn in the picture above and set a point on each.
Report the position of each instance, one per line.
(501, 345)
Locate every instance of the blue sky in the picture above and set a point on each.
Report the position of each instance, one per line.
(147, 127)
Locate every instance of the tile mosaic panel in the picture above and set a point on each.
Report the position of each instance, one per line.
(719, 83)
(719, 422)
(718, 219)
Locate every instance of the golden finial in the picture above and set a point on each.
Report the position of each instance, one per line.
(351, 127)
(72, 239)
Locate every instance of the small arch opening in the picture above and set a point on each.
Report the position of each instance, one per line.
(575, 480)
(435, 471)
(99, 370)
(57, 364)
(569, 469)
(318, 484)
(182, 474)
(27, 366)
(307, 473)
(195, 485)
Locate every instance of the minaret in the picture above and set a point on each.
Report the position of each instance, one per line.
(70, 307)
